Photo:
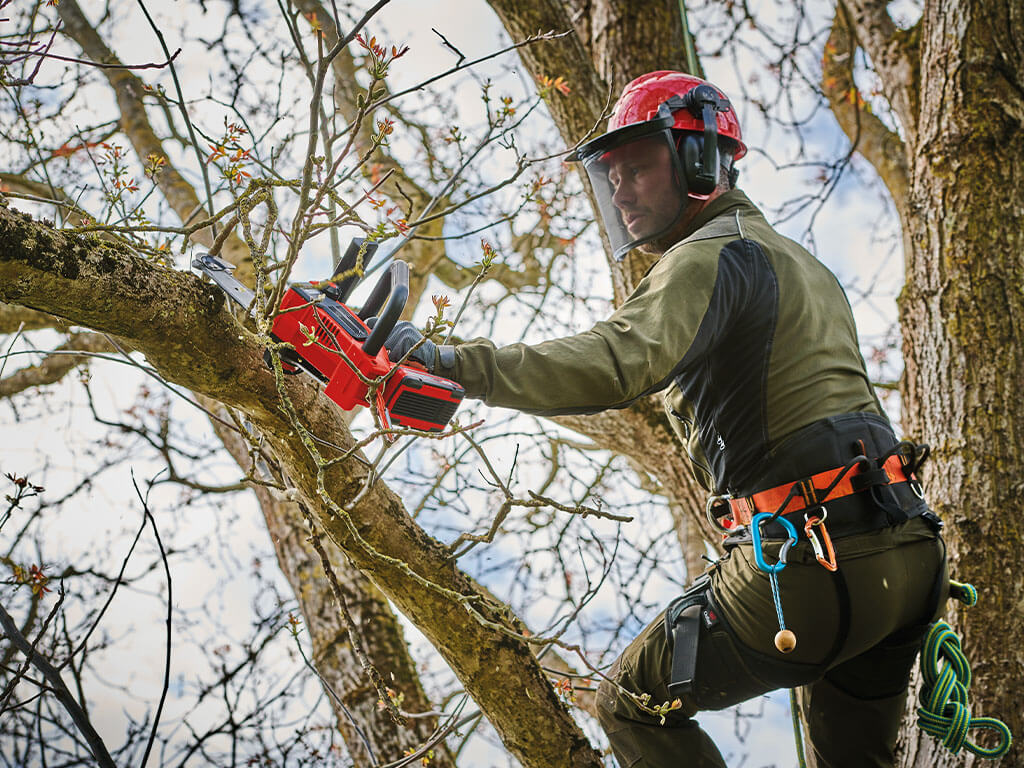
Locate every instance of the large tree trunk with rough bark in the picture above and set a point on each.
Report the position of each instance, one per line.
(956, 82)
(962, 313)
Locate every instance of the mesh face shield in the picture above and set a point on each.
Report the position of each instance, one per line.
(638, 182)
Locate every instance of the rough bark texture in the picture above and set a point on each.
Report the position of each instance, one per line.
(163, 314)
(963, 326)
(957, 83)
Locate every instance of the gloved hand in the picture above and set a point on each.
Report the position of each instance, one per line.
(404, 337)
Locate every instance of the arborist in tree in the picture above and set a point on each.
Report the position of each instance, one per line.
(834, 565)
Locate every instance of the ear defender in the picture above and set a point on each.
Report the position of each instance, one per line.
(700, 152)
(701, 171)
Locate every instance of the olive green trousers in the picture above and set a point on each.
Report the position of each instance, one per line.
(858, 633)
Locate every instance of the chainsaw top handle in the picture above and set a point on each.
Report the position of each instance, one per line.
(393, 286)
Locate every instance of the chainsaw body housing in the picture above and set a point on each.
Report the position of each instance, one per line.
(412, 397)
(327, 336)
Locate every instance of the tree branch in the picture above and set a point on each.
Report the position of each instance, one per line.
(60, 690)
(181, 326)
(894, 55)
(883, 148)
(54, 367)
(13, 318)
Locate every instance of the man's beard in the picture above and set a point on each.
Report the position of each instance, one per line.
(662, 243)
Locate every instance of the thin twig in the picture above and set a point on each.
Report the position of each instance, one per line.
(170, 610)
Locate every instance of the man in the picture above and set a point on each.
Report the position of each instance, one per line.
(753, 342)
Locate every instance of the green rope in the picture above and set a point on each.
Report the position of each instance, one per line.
(794, 710)
(965, 593)
(693, 66)
(943, 710)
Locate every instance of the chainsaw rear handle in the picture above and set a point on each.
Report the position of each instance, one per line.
(393, 286)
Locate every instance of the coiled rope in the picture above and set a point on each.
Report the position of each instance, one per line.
(944, 711)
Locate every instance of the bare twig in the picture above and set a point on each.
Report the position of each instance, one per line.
(170, 609)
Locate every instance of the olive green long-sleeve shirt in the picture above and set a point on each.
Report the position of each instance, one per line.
(750, 336)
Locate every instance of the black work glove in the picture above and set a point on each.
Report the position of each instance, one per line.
(403, 337)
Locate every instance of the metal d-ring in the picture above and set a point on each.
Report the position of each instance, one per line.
(711, 502)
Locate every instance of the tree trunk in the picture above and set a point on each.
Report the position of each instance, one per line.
(956, 83)
(963, 327)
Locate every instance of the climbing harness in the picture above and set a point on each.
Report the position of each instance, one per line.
(856, 475)
(889, 482)
(785, 640)
(860, 495)
(944, 711)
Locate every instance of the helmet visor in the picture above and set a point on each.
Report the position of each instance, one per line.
(636, 177)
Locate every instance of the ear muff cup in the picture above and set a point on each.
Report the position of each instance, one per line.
(691, 153)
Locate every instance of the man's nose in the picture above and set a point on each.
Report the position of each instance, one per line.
(623, 196)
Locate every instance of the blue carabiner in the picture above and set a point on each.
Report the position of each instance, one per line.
(755, 533)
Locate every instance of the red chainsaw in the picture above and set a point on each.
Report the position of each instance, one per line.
(411, 397)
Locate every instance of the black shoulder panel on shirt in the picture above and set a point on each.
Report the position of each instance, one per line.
(724, 373)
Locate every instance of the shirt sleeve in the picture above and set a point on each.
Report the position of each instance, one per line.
(635, 352)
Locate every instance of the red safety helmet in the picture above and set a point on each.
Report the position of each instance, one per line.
(661, 148)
